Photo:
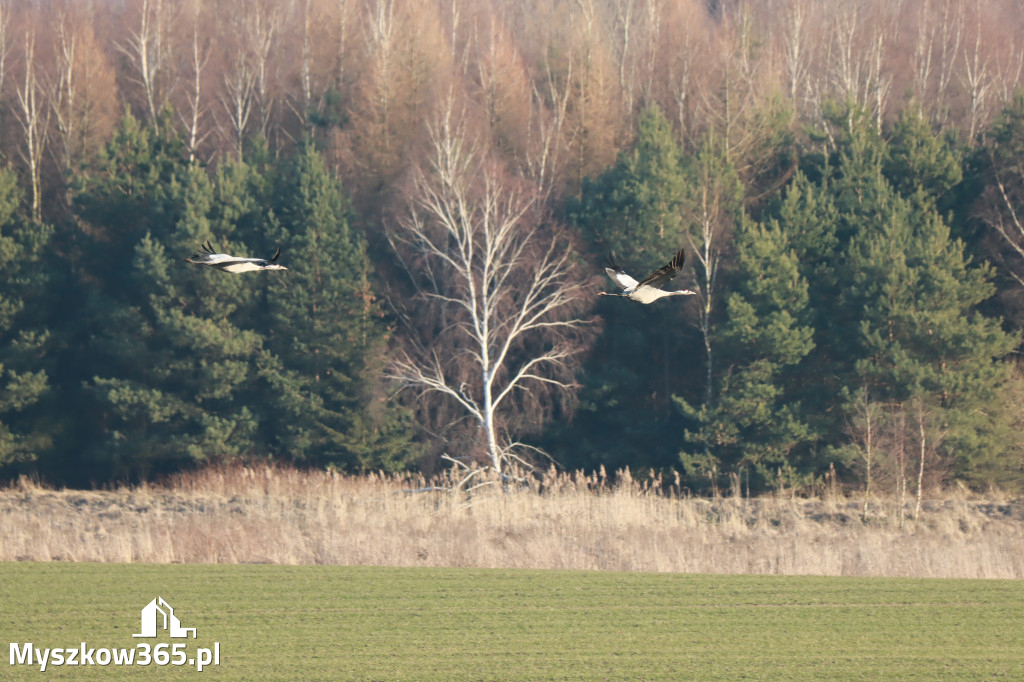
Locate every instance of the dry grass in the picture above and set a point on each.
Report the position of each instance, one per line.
(273, 515)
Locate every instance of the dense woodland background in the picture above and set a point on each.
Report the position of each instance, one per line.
(444, 179)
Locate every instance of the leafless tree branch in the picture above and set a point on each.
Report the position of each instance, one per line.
(473, 247)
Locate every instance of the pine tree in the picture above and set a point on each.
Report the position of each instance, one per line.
(989, 200)
(24, 338)
(901, 318)
(326, 333)
(755, 420)
(633, 209)
(919, 163)
(625, 415)
(167, 361)
(921, 340)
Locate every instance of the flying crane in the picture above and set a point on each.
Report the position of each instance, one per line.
(649, 288)
(205, 255)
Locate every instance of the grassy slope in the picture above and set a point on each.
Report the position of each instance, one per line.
(282, 622)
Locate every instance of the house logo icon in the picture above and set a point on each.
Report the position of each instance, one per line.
(150, 621)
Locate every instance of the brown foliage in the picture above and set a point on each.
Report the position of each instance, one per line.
(558, 85)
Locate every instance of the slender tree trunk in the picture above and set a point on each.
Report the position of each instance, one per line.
(33, 124)
(709, 370)
(708, 256)
(920, 468)
(868, 455)
(901, 475)
(191, 118)
(490, 428)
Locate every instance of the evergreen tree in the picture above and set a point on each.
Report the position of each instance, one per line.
(176, 364)
(900, 313)
(988, 205)
(919, 163)
(326, 334)
(633, 209)
(625, 415)
(755, 420)
(166, 359)
(921, 340)
(126, 192)
(808, 218)
(24, 339)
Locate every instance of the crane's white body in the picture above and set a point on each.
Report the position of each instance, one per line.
(648, 290)
(234, 264)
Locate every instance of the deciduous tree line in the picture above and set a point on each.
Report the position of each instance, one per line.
(443, 180)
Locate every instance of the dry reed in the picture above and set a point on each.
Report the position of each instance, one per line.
(275, 515)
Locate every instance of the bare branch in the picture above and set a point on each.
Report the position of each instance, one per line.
(34, 116)
(148, 52)
(191, 117)
(476, 247)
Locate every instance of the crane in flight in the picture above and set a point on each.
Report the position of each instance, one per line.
(205, 255)
(649, 289)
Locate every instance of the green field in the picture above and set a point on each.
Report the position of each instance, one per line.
(283, 622)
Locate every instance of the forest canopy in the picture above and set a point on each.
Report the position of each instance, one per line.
(444, 181)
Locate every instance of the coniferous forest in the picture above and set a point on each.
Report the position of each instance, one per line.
(445, 179)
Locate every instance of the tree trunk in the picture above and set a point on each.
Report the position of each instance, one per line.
(920, 469)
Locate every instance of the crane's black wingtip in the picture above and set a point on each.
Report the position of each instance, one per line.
(278, 253)
(679, 259)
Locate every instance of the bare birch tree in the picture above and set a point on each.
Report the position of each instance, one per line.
(935, 50)
(1008, 72)
(64, 89)
(33, 115)
(80, 88)
(623, 43)
(1000, 207)
(977, 82)
(496, 289)
(237, 99)
(637, 25)
(247, 96)
(682, 77)
(796, 52)
(864, 427)
(261, 31)
(729, 98)
(543, 157)
(712, 216)
(950, 34)
(5, 21)
(381, 39)
(898, 417)
(858, 70)
(341, 76)
(191, 117)
(922, 442)
(148, 52)
(304, 106)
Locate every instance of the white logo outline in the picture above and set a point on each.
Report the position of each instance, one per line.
(171, 623)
